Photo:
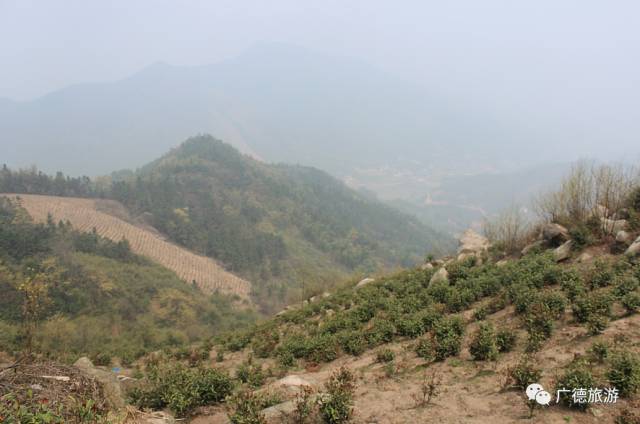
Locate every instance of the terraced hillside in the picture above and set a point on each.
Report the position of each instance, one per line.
(85, 214)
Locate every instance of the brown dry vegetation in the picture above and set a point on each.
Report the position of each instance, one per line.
(86, 214)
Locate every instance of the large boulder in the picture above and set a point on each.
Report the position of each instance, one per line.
(532, 246)
(563, 252)
(473, 243)
(634, 249)
(109, 381)
(440, 276)
(613, 226)
(279, 413)
(623, 237)
(554, 234)
(364, 282)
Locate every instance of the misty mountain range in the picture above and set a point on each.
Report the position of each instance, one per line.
(277, 102)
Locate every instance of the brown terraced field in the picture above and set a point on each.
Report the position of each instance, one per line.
(86, 214)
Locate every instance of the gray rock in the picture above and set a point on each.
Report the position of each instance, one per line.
(613, 226)
(584, 257)
(634, 249)
(426, 266)
(472, 242)
(110, 384)
(440, 276)
(554, 234)
(623, 237)
(563, 252)
(364, 282)
(531, 246)
(279, 413)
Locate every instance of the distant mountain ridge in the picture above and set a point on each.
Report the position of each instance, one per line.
(277, 102)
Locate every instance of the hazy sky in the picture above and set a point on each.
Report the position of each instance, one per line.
(537, 63)
(45, 45)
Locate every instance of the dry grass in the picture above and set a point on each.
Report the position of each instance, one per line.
(84, 215)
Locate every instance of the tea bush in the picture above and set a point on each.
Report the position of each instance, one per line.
(624, 372)
(181, 389)
(447, 335)
(506, 340)
(336, 405)
(577, 375)
(484, 345)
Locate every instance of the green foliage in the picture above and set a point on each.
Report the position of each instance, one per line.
(506, 340)
(251, 374)
(525, 373)
(581, 235)
(631, 302)
(385, 355)
(448, 334)
(600, 350)
(484, 345)
(592, 305)
(245, 408)
(31, 410)
(102, 301)
(425, 348)
(624, 372)
(180, 388)
(352, 342)
(578, 375)
(480, 313)
(336, 405)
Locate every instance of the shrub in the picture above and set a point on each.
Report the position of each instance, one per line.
(572, 284)
(584, 307)
(484, 344)
(506, 340)
(555, 302)
(181, 389)
(322, 348)
(410, 326)
(304, 406)
(264, 343)
(525, 373)
(577, 375)
(352, 342)
(601, 275)
(596, 324)
(581, 236)
(336, 404)
(448, 334)
(385, 355)
(539, 324)
(425, 349)
(480, 313)
(600, 350)
(625, 285)
(624, 372)
(245, 408)
(631, 302)
(250, 374)
(382, 331)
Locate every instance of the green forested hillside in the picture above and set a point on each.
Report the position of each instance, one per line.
(93, 296)
(280, 226)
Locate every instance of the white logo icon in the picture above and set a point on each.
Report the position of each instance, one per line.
(532, 390)
(543, 398)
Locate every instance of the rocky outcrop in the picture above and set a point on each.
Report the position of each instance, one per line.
(623, 237)
(440, 276)
(563, 252)
(279, 413)
(473, 243)
(364, 282)
(110, 384)
(554, 234)
(634, 249)
(532, 246)
(613, 226)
